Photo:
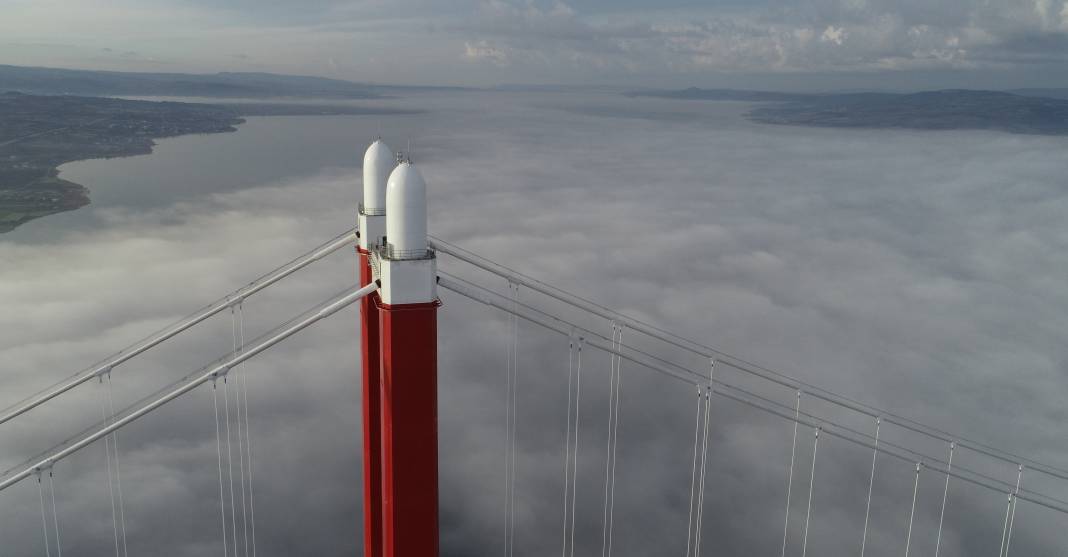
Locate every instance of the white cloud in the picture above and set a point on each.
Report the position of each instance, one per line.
(882, 35)
(834, 35)
(547, 40)
(482, 50)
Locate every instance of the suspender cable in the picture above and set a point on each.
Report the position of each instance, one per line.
(704, 459)
(515, 412)
(508, 437)
(55, 513)
(111, 485)
(1005, 527)
(615, 442)
(574, 454)
(693, 473)
(248, 432)
(945, 496)
(230, 462)
(912, 513)
(608, 449)
(567, 433)
(218, 447)
(510, 419)
(44, 519)
(240, 429)
(118, 475)
(701, 483)
(811, 485)
(871, 485)
(1012, 515)
(790, 476)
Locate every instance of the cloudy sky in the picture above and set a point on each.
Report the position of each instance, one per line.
(786, 44)
(918, 271)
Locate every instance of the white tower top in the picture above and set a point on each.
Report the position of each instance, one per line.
(406, 213)
(378, 161)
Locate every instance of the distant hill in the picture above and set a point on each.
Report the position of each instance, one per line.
(694, 93)
(49, 81)
(1027, 111)
(1048, 93)
(931, 110)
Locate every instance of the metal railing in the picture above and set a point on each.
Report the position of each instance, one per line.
(371, 212)
(376, 266)
(388, 251)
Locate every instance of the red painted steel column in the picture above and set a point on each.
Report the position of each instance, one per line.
(372, 412)
(409, 429)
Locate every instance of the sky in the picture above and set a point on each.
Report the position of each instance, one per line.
(917, 271)
(772, 44)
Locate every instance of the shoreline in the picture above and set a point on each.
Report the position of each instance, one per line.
(64, 194)
(46, 132)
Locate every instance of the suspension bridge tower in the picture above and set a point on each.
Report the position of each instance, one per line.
(378, 161)
(406, 329)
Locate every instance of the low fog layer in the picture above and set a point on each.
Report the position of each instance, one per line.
(918, 271)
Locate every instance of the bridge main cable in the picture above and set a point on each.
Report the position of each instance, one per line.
(753, 400)
(207, 374)
(346, 238)
(740, 364)
(679, 372)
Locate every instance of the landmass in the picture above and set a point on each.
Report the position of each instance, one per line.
(39, 133)
(52, 81)
(956, 109)
(694, 93)
(1047, 92)
(934, 110)
(226, 85)
(302, 109)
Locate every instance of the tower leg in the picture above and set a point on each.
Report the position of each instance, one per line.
(372, 412)
(409, 429)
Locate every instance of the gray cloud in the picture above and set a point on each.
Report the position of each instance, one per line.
(785, 44)
(805, 36)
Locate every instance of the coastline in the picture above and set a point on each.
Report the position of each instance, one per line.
(38, 134)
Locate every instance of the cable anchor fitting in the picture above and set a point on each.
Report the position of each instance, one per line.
(222, 373)
(235, 301)
(42, 468)
(104, 371)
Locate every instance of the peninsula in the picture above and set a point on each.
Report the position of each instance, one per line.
(38, 133)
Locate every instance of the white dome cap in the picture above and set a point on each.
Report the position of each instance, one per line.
(406, 212)
(378, 161)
